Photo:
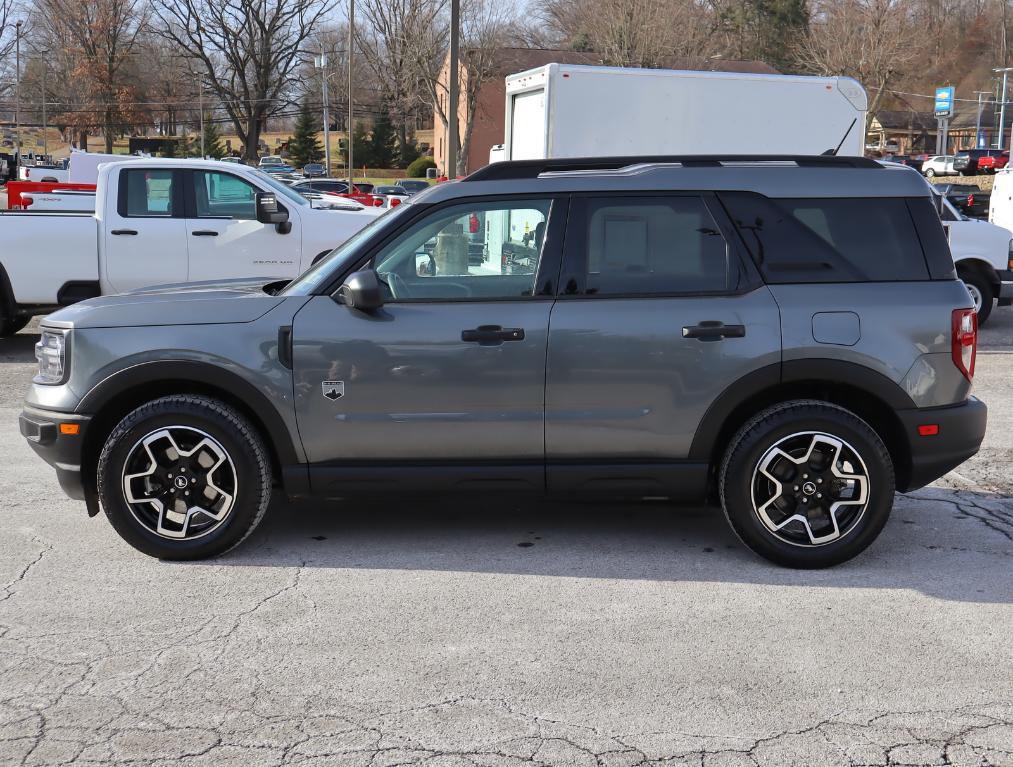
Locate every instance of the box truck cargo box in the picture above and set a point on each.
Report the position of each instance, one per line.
(562, 110)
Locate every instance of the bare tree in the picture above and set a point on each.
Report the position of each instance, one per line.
(249, 51)
(870, 40)
(99, 36)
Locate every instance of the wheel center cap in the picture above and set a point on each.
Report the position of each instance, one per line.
(809, 488)
(180, 483)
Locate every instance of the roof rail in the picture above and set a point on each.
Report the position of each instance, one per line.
(521, 169)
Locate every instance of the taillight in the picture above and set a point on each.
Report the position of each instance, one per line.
(26, 201)
(970, 199)
(964, 342)
(377, 202)
(395, 201)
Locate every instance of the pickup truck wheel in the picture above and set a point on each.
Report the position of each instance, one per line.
(807, 484)
(184, 477)
(11, 325)
(981, 293)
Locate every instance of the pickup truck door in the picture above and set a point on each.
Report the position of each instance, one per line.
(143, 231)
(224, 238)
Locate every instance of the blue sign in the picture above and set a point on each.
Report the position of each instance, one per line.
(944, 102)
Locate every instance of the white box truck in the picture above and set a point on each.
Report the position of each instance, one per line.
(563, 110)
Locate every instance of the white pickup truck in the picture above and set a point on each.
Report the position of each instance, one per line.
(159, 222)
(983, 255)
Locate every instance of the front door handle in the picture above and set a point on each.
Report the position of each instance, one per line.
(123, 231)
(492, 335)
(204, 233)
(713, 330)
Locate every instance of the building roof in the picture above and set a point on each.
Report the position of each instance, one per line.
(905, 120)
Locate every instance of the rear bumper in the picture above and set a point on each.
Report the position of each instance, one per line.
(1005, 285)
(61, 451)
(961, 430)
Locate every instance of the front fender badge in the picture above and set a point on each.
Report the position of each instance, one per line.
(333, 390)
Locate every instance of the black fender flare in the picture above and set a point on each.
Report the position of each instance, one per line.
(201, 373)
(809, 371)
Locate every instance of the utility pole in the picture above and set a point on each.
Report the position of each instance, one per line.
(45, 126)
(1002, 104)
(200, 101)
(321, 64)
(454, 86)
(348, 127)
(977, 124)
(17, 91)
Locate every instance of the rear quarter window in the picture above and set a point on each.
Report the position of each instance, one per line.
(829, 239)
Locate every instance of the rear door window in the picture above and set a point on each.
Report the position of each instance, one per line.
(146, 193)
(829, 239)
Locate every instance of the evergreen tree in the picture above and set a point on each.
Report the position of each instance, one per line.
(361, 146)
(408, 153)
(169, 147)
(213, 146)
(382, 142)
(304, 147)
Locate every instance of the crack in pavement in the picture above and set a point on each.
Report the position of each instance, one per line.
(10, 588)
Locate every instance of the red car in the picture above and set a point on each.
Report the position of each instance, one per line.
(992, 163)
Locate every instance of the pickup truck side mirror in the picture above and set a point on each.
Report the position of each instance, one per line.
(269, 210)
(361, 291)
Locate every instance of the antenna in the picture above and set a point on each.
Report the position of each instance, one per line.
(833, 152)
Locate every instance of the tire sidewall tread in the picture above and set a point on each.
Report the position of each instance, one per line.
(757, 435)
(224, 424)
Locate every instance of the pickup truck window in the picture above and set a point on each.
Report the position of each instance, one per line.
(146, 193)
(222, 195)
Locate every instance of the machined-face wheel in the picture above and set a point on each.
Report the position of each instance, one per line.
(179, 482)
(810, 488)
(976, 296)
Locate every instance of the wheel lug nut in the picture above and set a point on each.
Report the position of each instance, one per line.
(193, 481)
(819, 481)
(805, 476)
(796, 488)
(819, 495)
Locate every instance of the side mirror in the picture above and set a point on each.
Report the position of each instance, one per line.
(269, 210)
(361, 291)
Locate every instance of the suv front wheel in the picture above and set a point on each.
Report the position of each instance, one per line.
(807, 484)
(184, 477)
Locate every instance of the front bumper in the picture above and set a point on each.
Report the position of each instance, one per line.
(961, 428)
(61, 451)
(1005, 287)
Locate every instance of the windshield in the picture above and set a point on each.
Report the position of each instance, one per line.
(280, 188)
(318, 274)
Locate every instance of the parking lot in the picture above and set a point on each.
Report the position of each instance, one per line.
(486, 633)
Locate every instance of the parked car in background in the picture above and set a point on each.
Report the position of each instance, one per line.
(940, 165)
(160, 221)
(392, 195)
(990, 163)
(337, 187)
(413, 185)
(271, 159)
(965, 162)
(314, 170)
(969, 199)
(238, 160)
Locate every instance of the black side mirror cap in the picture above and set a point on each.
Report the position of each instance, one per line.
(269, 210)
(362, 291)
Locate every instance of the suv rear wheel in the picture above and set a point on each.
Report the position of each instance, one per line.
(184, 477)
(807, 484)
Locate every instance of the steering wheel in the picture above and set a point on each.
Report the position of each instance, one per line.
(398, 287)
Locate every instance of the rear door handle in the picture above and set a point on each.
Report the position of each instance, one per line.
(123, 231)
(205, 233)
(713, 330)
(492, 335)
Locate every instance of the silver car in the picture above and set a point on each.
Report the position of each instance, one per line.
(783, 335)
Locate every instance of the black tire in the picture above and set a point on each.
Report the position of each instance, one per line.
(9, 326)
(930, 173)
(246, 475)
(780, 425)
(984, 287)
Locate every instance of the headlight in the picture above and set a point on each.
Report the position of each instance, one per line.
(51, 352)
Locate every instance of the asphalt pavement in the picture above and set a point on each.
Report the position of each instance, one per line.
(486, 633)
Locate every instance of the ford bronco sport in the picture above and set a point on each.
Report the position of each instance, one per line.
(784, 334)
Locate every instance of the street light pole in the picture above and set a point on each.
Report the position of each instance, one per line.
(321, 63)
(17, 91)
(454, 87)
(200, 101)
(45, 126)
(348, 139)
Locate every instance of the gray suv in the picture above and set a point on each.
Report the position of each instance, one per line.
(783, 334)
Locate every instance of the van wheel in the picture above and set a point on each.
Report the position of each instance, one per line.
(981, 293)
(184, 477)
(807, 484)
